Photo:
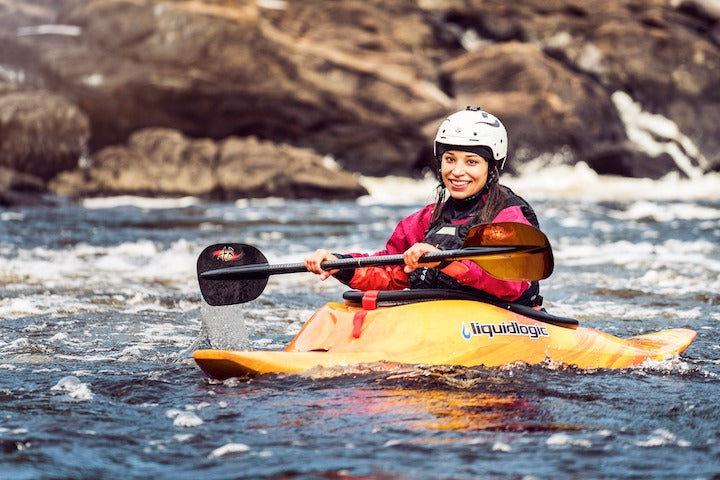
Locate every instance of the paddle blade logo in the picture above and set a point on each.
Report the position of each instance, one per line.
(227, 254)
(496, 233)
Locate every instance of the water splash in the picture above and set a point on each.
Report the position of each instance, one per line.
(74, 388)
(224, 327)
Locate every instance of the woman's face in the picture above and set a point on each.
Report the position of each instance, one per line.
(463, 173)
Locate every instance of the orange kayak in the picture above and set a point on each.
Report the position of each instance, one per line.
(442, 332)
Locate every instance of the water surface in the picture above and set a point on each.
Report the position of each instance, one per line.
(100, 311)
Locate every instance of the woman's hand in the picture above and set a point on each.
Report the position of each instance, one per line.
(413, 254)
(313, 261)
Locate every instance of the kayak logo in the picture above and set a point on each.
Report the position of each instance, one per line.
(227, 254)
(502, 328)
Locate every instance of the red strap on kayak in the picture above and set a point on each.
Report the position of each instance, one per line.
(369, 300)
(358, 319)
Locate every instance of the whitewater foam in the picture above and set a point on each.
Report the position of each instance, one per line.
(229, 448)
(183, 418)
(142, 260)
(74, 388)
(656, 134)
(645, 210)
(563, 439)
(662, 437)
(146, 203)
(547, 177)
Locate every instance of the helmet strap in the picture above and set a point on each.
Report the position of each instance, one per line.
(501, 167)
(493, 176)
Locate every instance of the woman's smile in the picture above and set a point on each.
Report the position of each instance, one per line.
(464, 173)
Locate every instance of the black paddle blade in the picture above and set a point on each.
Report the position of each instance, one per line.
(534, 264)
(230, 292)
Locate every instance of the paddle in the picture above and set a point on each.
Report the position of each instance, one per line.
(234, 273)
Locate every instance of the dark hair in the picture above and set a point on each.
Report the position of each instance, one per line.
(489, 209)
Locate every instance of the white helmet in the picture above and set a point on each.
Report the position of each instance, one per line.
(473, 127)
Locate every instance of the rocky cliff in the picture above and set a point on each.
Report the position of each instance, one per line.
(233, 98)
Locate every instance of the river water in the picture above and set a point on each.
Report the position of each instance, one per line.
(100, 311)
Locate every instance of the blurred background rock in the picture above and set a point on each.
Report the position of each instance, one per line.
(231, 99)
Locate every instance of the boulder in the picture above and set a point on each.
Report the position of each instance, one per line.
(367, 83)
(160, 161)
(665, 58)
(625, 159)
(252, 168)
(21, 189)
(41, 133)
(308, 75)
(544, 106)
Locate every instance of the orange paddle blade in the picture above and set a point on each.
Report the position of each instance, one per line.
(535, 263)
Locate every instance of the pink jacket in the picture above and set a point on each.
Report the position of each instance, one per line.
(412, 230)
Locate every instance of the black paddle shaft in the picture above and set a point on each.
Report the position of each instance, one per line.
(264, 270)
(233, 273)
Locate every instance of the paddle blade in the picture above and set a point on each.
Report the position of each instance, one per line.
(230, 292)
(535, 263)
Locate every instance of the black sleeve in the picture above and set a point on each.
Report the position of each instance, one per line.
(346, 274)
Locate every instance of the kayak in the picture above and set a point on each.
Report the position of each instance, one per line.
(443, 331)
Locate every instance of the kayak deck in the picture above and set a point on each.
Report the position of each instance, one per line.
(444, 332)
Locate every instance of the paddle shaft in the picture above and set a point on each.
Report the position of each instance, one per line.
(233, 273)
(264, 270)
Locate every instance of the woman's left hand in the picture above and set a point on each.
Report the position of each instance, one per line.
(314, 261)
(413, 254)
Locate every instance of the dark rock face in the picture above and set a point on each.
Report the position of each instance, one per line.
(366, 82)
(544, 105)
(40, 133)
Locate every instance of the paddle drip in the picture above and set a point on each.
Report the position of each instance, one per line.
(224, 327)
(223, 324)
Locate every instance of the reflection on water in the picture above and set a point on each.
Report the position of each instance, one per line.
(452, 410)
(424, 398)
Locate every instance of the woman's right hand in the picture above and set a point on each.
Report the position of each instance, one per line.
(313, 261)
(413, 254)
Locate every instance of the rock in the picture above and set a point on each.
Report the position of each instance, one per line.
(709, 9)
(368, 82)
(252, 168)
(544, 106)
(41, 133)
(21, 189)
(626, 160)
(309, 75)
(159, 161)
(663, 57)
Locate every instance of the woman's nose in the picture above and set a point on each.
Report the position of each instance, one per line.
(458, 169)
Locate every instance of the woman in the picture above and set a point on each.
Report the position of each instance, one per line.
(470, 151)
